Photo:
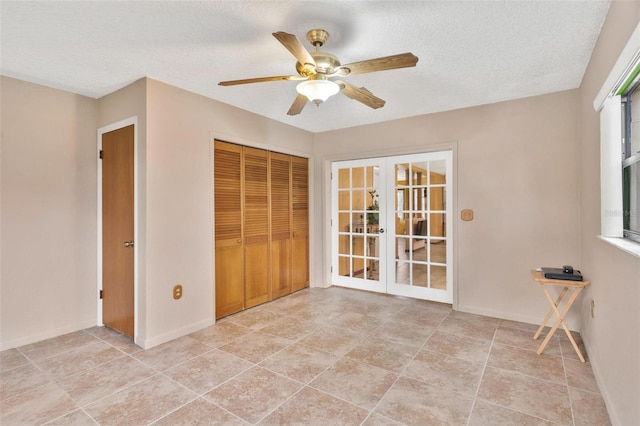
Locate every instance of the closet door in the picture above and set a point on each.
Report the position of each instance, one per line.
(256, 227)
(300, 223)
(228, 228)
(280, 174)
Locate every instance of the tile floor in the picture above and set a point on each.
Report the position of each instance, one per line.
(318, 357)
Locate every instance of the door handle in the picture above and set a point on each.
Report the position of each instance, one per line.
(381, 230)
(128, 244)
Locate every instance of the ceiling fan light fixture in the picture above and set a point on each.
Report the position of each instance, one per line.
(318, 91)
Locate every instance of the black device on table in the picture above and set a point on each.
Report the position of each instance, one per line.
(565, 273)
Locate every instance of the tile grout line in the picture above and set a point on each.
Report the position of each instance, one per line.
(197, 396)
(54, 382)
(515, 372)
(566, 379)
(308, 385)
(484, 368)
(409, 363)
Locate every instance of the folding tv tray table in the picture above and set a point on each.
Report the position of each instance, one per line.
(576, 287)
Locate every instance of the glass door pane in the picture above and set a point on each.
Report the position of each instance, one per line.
(421, 184)
(357, 225)
(409, 197)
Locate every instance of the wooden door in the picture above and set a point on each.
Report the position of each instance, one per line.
(117, 230)
(256, 227)
(299, 223)
(280, 189)
(228, 228)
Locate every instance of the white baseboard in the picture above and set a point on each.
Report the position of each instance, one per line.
(514, 316)
(148, 343)
(47, 334)
(320, 285)
(608, 400)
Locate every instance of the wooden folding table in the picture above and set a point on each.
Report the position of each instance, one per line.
(576, 287)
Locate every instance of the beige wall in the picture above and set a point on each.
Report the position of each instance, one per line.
(49, 204)
(124, 104)
(613, 335)
(179, 219)
(48, 270)
(515, 167)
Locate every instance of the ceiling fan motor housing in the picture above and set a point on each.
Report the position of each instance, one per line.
(326, 63)
(317, 37)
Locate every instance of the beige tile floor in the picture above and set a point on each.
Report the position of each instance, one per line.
(318, 357)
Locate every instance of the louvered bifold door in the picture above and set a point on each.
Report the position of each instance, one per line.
(300, 223)
(280, 174)
(228, 228)
(256, 227)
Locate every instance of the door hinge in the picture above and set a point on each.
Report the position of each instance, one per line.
(332, 269)
(100, 294)
(101, 154)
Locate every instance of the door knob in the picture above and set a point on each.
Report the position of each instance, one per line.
(128, 244)
(381, 230)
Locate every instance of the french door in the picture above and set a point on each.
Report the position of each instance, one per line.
(357, 233)
(392, 225)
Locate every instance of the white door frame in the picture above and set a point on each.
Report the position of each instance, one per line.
(102, 130)
(417, 291)
(363, 283)
(326, 195)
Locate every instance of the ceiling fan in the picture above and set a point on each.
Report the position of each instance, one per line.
(315, 68)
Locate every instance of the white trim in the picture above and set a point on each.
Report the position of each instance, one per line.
(48, 334)
(393, 152)
(212, 229)
(573, 321)
(174, 334)
(609, 105)
(102, 130)
(379, 285)
(626, 62)
(448, 151)
(388, 152)
(611, 224)
(626, 245)
(420, 292)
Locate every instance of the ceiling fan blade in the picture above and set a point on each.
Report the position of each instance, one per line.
(261, 80)
(403, 60)
(295, 47)
(361, 95)
(297, 105)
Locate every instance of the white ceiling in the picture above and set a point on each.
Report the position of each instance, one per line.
(471, 52)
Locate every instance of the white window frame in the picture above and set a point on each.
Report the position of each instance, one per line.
(608, 103)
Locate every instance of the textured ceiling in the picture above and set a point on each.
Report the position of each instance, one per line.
(471, 52)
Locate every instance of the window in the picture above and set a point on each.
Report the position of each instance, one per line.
(619, 105)
(631, 162)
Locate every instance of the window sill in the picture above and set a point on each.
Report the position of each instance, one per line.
(625, 245)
